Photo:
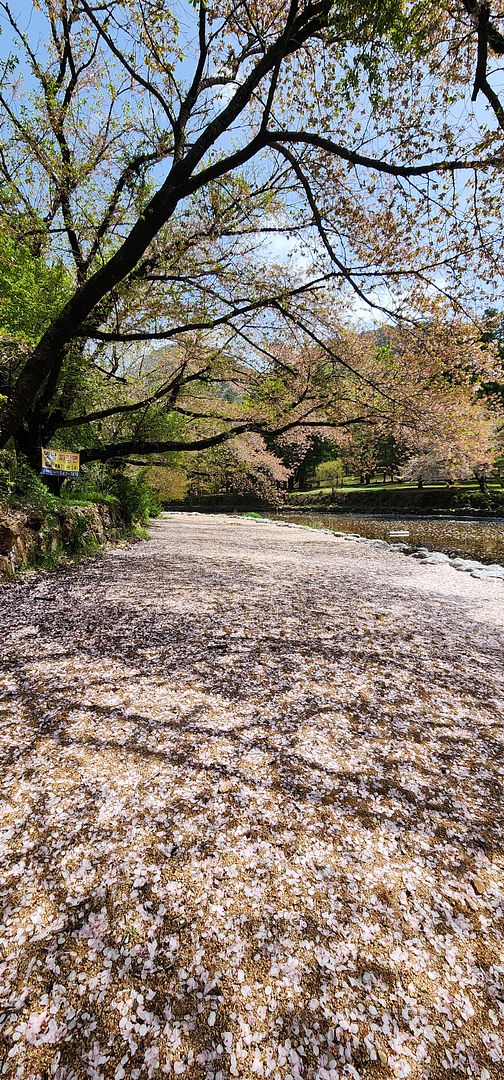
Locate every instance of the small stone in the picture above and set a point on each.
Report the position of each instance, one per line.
(466, 565)
(6, 567)
(489, 573)
(382, 1056)
(8, 536)
(479, 885)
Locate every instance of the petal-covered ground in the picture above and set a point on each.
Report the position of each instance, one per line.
(252, 817)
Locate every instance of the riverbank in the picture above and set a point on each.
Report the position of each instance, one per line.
(481, 540)
(401, 500)
(393, 499)
(252, 816)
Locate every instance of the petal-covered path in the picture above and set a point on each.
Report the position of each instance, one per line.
(251, 812)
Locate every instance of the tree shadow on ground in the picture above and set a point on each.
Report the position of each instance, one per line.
(258, 793)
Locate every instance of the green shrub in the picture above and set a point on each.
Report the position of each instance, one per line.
(480, 500)
(399, 500)
(84, 495)
(156, 506)
(132, 494)
(137, 500)
(6, 474)
(330, 474)
(80, 539)
(91, 486)
(29, 488)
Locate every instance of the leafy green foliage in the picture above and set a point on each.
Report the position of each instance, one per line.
(490, 501)
(373, 31)
(6, 473)
(399, 499)
(133, 494)
(137, 499)
(30, 489)
(330, 473)
(31, 292)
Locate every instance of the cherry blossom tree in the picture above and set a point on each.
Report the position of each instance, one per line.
(448, 465)
(154, 153)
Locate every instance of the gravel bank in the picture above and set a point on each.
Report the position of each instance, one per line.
(251, 820)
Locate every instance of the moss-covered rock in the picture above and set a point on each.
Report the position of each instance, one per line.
(36, 538)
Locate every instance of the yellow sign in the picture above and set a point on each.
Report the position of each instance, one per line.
(59, 463)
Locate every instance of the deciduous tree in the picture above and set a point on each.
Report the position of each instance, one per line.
(323, 119)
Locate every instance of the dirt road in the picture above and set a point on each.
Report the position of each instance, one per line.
(251, 812)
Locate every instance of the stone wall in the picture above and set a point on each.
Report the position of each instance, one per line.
(37, 538)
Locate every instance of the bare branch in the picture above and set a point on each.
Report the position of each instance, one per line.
(135, 75)
(88, 331)
(317, 217)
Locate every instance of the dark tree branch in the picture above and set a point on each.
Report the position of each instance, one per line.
(118, 451)
(142, 464)
(194, 89)
(481, 82)
(140, 446)
(165, 391)
(235, 311)
(276, 70)
(481, 63)
(334, 356)
(495, 38)
(317, 217)
(321, 142)
(320, 423)
(132, 169)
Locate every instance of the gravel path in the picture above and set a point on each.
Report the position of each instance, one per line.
(251, 819)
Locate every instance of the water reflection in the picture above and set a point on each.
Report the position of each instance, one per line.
(483, 540)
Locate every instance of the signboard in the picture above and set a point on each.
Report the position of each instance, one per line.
(59, 463)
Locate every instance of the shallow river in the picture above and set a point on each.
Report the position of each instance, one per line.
(482, 540)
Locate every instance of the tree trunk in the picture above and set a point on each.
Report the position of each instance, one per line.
(301, 476)
(53, 483)
(180, 183)
(28, 444)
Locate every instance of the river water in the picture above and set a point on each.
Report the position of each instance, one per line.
(478, 539)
